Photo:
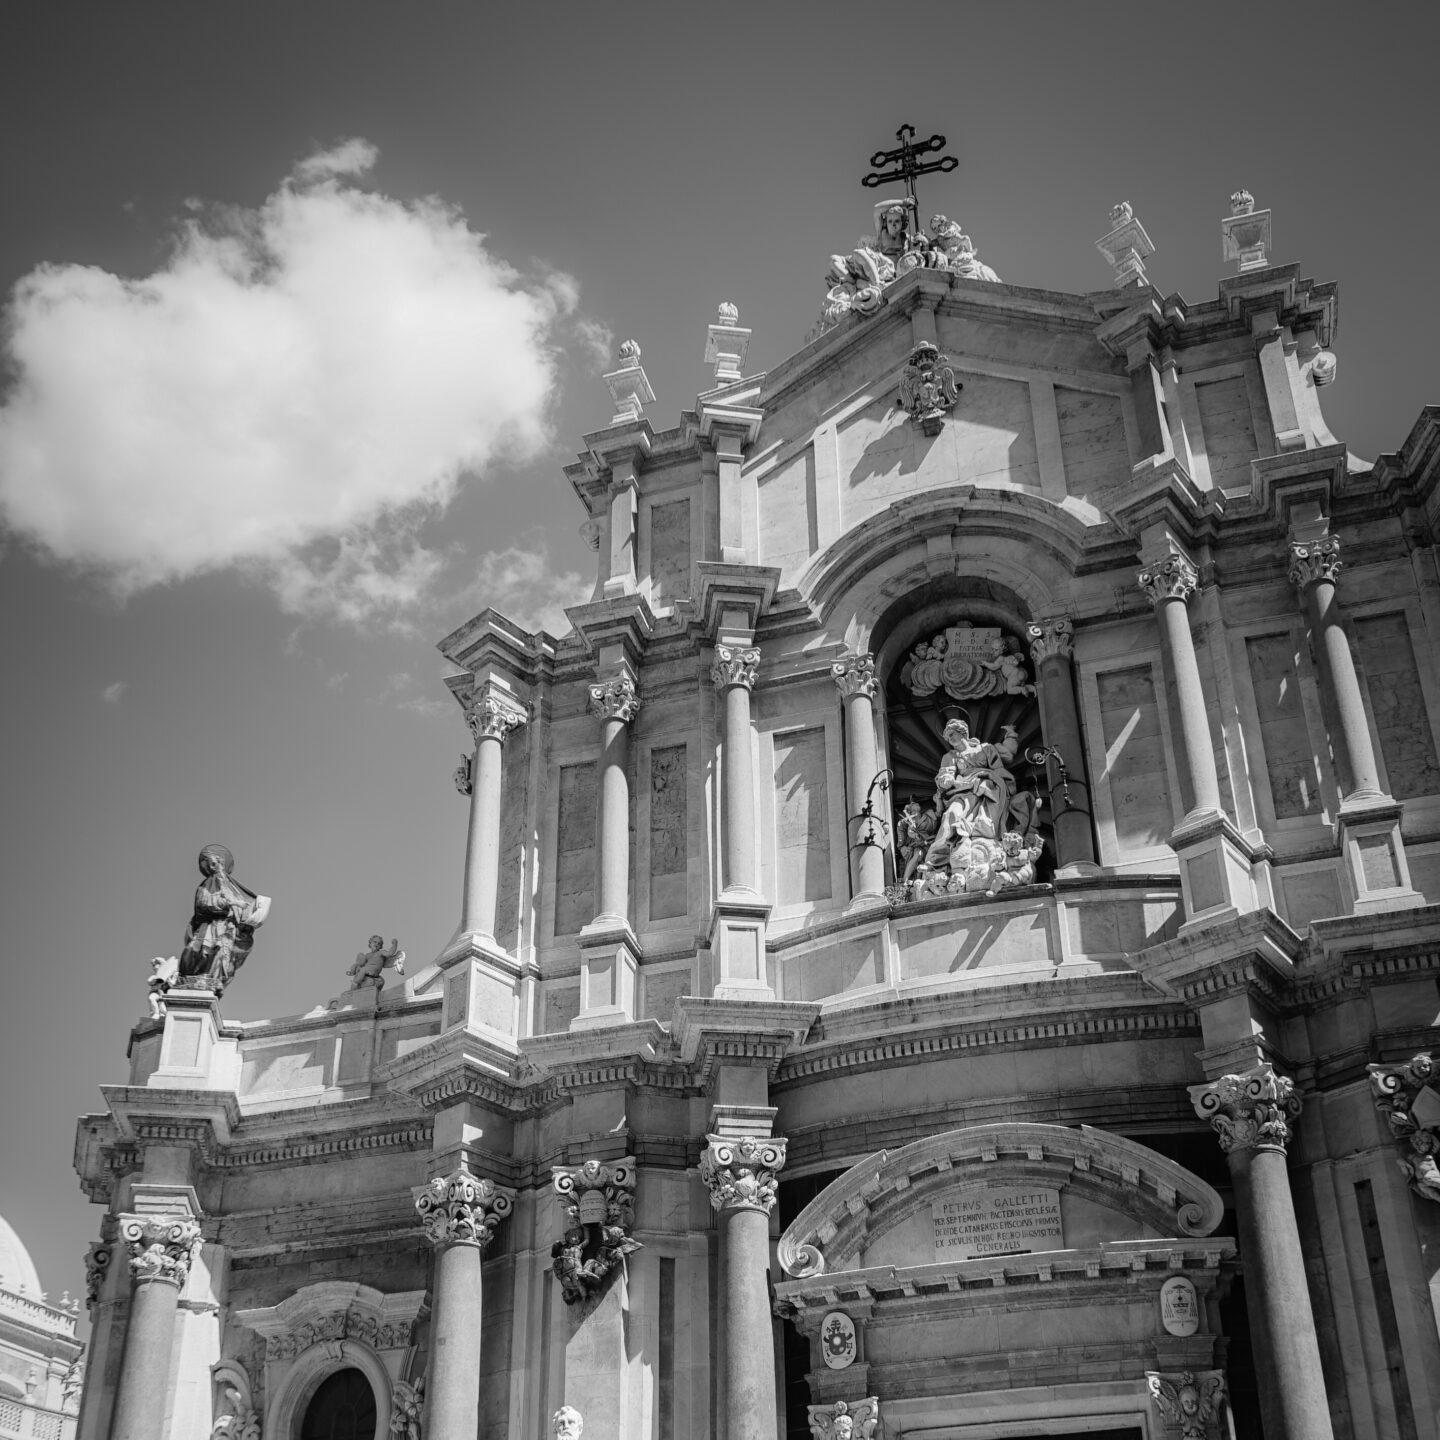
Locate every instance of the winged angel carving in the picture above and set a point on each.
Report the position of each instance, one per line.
(928, 387)
(852, 1420)
(1188, 1401)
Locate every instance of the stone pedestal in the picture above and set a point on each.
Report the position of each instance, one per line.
(192, 1025)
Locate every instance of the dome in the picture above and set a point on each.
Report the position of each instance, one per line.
(17, 1269)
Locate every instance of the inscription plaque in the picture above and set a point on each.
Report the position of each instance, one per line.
(997, 1222)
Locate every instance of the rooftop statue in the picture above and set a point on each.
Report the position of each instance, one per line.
(222, 927)
(371, 964)
(952, 249)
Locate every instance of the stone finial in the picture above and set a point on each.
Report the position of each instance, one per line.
(1245, 233)
(1322, 368)
(1408, 1096)
(1126, 247)
(1249, 1111)
(629, 388)
(726, 343)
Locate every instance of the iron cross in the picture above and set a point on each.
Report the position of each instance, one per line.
(906, 158)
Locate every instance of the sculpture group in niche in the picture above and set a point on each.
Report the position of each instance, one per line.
(856, 281)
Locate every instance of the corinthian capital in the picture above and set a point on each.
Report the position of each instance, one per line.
(615, 699)
(462, 1209)
(734, 665)
(1049, 638)
(1408, 1096)
(493, 716)
(740, 1174)
(97, 1266)
(1173, 578)
(161, 1246)
(855, 675)
(1314, 560)
(1249, 1111)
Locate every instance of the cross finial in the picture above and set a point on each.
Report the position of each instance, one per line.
(908, 165)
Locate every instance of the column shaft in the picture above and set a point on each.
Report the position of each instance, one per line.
(739, 792)
(1190, 701)
(613, 821)
(749, 1352)
(452, 1399)
(1354, 754)
(482, 845)
(144, 1390)
(867, 862)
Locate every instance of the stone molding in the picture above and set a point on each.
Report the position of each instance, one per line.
(493, 716)
(845, 1420)
(1408, 1096)
(1249, 1111)
(734, 665)
(1312, 561)
(599, 1204)
(462, 1209)
(1173, 578)
(332, 1311)
(1188, 1401)
(1051, 638)
(615, 699)
(855, 675)
(740, 1173)
(161, 1247)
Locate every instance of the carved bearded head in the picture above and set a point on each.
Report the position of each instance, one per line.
(566, 1423)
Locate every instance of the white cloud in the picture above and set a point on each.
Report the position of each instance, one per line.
(294, 393)
(111, 693)
(521, 583)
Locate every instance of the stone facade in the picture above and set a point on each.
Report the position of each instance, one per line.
(981, 1084)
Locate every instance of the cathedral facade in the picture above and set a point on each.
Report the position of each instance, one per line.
(945, 949)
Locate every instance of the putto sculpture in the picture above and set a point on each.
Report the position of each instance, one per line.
(372, 963)
(599, 1211)
(222, 926)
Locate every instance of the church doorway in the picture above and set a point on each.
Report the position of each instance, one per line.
(343, 1409)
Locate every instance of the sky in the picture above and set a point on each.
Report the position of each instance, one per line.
(307, 306)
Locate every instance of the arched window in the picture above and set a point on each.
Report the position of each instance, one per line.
(343, 1409)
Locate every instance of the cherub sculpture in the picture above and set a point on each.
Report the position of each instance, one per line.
(1007, 666)
(1192, 1404)
(845, 1420)
(164, 972)
(371, 963)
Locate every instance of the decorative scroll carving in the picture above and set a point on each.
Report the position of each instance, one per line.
(491, 716)
(407, 1409)
(1173, 578)
(740, 1174)
(464, 775)
(968, 662)
(599, 1212)
(1249, 1111)
(462, 1209)
(1049, 638)
(238, 1418)
(615, 699)
(734, 665)
(1409, 1098)
(1314, 560)
(928, 388)
(97, 1266)
(855, 675)
(339, 1325)
(1189, 1403)
(161, 1247)
(845, 1420)
(222, 924)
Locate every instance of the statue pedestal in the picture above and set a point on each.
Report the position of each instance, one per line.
(192, 1025)
(597, 1368)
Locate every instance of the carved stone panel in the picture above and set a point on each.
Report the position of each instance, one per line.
(669, 831)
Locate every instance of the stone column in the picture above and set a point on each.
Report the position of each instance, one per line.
(1250, 1113)
(1168, 586)
(858, 685)
(492, 717)
(1052, 647)
(460, 1212)
(615, 703)
(160, 1248)
(733, 672)
(740, 1175)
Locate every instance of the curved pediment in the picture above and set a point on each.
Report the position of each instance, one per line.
(997, 1184)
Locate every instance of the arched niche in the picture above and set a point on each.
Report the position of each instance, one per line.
(308, 1371)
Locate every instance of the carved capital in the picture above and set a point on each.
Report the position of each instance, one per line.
(855, 675)
(462, 1209)
(1189, 1401)
(1408, 1096)
(1173, 578)
(740, 1174)
(1314, 560)
(464, 775)
(492, 716)
(845, 1420)
(599, 1206)
(734, 665)
(615, 699)
(97, 1266)
(1249, 1111)
(161, 1247)
(1049, 638)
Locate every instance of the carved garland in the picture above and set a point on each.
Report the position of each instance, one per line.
(740, 1174)
(1249, 1111)
(1408, 1096)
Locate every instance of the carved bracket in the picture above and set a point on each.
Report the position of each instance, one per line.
(599, 1205)
(845, 1420)
(1189, 1402)
(1409, 1098)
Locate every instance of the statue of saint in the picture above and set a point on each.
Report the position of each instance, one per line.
(857, 279)
(566, 1423)
(222, 927)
